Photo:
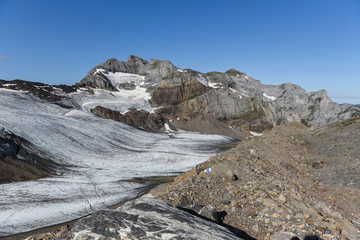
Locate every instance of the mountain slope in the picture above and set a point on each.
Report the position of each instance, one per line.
(231, 97)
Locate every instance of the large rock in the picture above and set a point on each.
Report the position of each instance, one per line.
(147, 218)
(135, 118)
(21, 161)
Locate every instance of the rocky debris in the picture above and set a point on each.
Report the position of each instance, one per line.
(19, 161)
(63, 233)
(282, 236)
(147, 218)
(135, 118)
(277, 188)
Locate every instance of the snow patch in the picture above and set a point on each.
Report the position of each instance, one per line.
(272, 98)
(215, 85)
(8, 84)
(167, 128)
(180, 70)
(120, 77)
(255, 134)
(203, 80)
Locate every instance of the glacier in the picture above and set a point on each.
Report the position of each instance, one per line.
(100, 155)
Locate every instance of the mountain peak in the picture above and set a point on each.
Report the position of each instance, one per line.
(134, 59)
(233, 72)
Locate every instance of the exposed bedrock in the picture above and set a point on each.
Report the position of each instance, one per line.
(20, 160)
(135, 118)
(148, 218)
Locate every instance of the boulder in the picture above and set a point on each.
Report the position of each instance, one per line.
(220, 170)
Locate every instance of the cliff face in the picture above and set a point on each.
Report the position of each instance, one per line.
(232, 97)
(135, 118)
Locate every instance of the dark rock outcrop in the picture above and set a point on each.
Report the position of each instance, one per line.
(135, 118)
(19, 162)
(55, 94)
(148, 218)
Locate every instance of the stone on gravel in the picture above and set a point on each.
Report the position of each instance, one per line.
(209, 212)
(221, 170)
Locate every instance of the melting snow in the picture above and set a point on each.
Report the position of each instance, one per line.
(167, 128)
(255, 134)
(206, 82)
(98, 71)
(269, 97)
(120, 77)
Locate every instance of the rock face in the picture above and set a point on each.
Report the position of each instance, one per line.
(135, 118)
(232, 97)
(147, 218)
(18, 162)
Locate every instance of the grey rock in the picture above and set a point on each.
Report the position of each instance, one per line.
(194, 207)
(183, 202)
(147, 218)
(220, 170)
(209, 212)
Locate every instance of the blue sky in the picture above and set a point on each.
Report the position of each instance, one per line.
(312, 43)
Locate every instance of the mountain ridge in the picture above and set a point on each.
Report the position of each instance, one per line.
(232, 97)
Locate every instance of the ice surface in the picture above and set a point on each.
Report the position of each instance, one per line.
(120, 77)
(100, 155)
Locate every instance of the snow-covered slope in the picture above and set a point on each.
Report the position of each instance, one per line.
(100, 155)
